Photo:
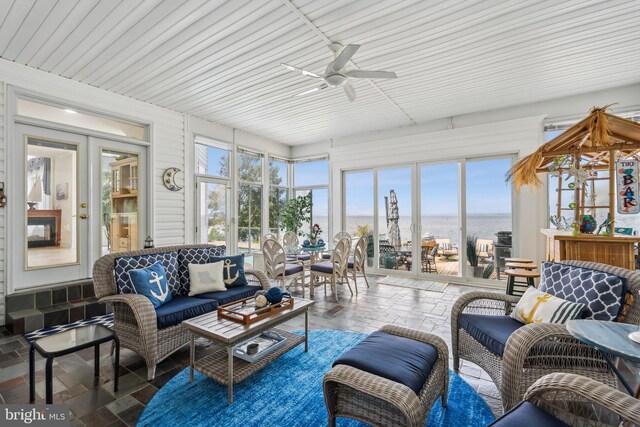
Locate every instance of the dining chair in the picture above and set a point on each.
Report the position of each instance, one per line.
(291, 244)
(334, 270)
(279, 268)
(339, 236)
(357, 262)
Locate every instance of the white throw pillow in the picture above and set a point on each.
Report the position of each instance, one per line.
(536, 306)
(206, 278)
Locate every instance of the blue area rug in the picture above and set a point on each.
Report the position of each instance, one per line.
(288, 392)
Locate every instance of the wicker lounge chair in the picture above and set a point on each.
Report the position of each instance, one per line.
(484, 249)
(534, 350)
(134, 318)
(446, 248)
(574, 400)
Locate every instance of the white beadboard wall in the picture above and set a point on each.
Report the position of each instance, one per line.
(520, 137)
(171, 143)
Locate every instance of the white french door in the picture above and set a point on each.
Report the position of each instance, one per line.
(64, 211)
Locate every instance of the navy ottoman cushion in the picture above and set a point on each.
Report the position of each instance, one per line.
(527, 414)
(231, 294)
(490, 331)
(182, 308)
(395, 358)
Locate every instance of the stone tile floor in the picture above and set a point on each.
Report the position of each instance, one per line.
(93, 403)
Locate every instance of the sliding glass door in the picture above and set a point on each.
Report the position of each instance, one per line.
(451, 219)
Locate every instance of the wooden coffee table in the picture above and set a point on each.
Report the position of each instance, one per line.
(221, 365)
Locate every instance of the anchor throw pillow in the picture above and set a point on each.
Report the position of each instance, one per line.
(233, 269)
(152, 283)
(206, 278)
(536, 306)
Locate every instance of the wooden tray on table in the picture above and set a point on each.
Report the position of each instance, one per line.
(244, 311)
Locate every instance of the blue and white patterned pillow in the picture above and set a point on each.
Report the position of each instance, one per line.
(169, 261)
(602, 293)
(194, 256)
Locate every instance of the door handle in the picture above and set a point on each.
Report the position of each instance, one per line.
(84, 216)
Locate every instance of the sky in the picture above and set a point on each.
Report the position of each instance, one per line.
(487, 191)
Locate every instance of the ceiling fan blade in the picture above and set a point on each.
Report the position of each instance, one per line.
(315, 89)
(366, 74)
(344, 57)
(301, 71)
(350, 91)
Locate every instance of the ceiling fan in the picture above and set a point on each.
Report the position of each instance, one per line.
(337, 75)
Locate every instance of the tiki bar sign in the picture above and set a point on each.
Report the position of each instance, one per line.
(627, 177)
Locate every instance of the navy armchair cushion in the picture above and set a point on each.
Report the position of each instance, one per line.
(490, 331)
(601, 293)
(527, 414)
(182, 308)
(395, 358)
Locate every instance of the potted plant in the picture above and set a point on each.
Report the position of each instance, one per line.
(296, 212)
(366, 231)
(316, 231)
(472, 256)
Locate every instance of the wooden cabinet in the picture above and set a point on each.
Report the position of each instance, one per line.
(612, 250)
(124, 233)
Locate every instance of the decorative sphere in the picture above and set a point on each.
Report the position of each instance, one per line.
(306, 243)
(320, 242)
(274, 295)
(572, 205)
(261, 301)
(260, 292)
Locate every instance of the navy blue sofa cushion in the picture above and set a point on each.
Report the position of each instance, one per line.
(602, 293)
(169, 261)
(231, 294)
(194, 256)
(527, 414)
(182, 308)
(490, 331)
(395, 358)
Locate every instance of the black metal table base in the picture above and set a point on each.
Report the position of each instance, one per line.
(49, 369)
(615, 370)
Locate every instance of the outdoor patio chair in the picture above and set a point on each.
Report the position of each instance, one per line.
(446, 248)
(387, 255)
(339, 236)
(334, 270)
(515, 355)
(279, 268)
(429, 260)
(357, 262)
(484, 249)
(566, 399)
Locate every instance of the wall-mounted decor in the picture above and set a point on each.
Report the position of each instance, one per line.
(62, 191)
(627, 173)
(169, 179)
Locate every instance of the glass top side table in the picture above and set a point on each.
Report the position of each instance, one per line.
(66, 342)
(609, 338)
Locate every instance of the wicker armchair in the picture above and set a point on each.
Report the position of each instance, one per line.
(534, 350)
(577, 401)
(134, 318)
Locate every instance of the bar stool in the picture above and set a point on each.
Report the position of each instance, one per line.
(512, 283)
(520, 260)
(521, 266)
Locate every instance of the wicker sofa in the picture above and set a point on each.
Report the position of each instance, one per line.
(533, 350)
(157, 333)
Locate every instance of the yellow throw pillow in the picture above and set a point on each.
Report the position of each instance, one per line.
(539, 307)
(206, 278)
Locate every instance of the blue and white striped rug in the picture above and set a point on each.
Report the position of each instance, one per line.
(105, 319)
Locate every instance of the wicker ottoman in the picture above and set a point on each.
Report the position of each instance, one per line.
(392, 378)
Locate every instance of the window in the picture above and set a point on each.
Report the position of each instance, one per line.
(249, 200)
(278, 192)
(212, 158)
(72, 117)
(312, 176)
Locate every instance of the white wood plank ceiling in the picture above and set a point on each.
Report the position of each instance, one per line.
(219, 60)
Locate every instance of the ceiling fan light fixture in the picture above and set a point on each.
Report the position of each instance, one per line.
(335, 80)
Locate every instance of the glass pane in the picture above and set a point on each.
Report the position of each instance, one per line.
(306, 226)
(320, 211)
(440, 222)
(489, 221)
(249, 167)
(119, 207)
(359, 203)
(306, 174)
(394, 218)
(52, 228)
(212, 220)
(212, 161)
(277, 199)
(278, 173)
(71, 117)
(249, 217)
